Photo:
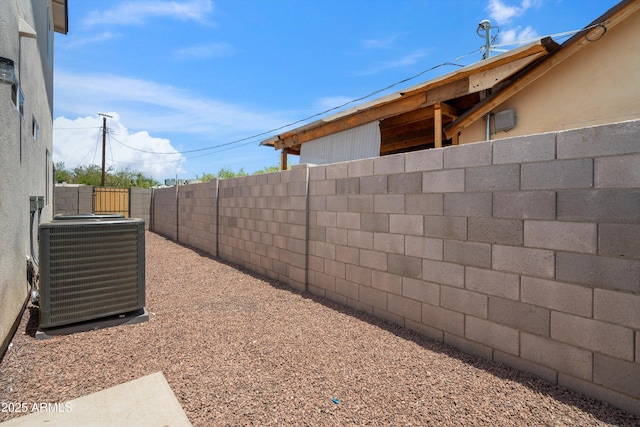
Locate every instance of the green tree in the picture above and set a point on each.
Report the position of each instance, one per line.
(268, 169)
(92, 175)
(205, 177)
(62, 174)
(88, 175)
(225, 173)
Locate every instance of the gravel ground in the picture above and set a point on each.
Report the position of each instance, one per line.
(238, 349)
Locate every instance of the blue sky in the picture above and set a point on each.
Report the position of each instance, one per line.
(185, 75)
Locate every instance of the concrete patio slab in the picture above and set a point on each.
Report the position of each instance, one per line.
(147, 401)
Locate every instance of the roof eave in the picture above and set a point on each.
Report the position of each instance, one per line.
(60, 16)
(297, 136)
(538, 68)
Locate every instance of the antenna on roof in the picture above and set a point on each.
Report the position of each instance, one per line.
(485, 26)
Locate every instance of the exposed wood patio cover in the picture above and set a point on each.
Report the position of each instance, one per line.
(535, 70)
(416, 116)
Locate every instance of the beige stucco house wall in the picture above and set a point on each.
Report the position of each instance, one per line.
(26, 144)
(598, 84)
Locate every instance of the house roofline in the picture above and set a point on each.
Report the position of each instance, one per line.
(297, 136)
(60, 16)
(538, 68)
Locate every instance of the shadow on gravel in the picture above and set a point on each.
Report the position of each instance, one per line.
(599, 409)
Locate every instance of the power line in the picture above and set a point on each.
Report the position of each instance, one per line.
(556, 35)
(304, 119)
(251, 139)
(91, 127)
(178, 153)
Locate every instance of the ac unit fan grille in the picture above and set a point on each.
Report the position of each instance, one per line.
(94, 270)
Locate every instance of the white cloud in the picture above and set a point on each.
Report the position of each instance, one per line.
(383, 43)
(77, 41)
(502, 13)
(405, 61)
(157, 107)
(518, 34)
(210, 50)
(137, 12)
(78, 142)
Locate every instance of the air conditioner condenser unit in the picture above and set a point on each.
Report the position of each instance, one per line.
(90, 269)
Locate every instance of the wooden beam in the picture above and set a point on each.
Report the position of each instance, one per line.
(424, 140)
(451, 90)
(449, 111)
(283, 160)
(449, 86)
(402, 105)
(437, 125)
(413, 133)
(536, 50)
(397, 133)
(419, 115)
(489, 78)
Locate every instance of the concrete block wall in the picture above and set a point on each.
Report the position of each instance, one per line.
(140, 204)
(197, 216)
(164, 212)
(72, 199)
(262, 224)
(65, 200)
(80, 200)
(523, 251)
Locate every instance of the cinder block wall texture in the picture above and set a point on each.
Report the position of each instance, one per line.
(140, 204)
(197, 217)
(164, 212)
(72, 200)
(263, 224)
(524, 251)
(76, 200)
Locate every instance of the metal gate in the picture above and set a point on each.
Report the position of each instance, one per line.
(108, 200)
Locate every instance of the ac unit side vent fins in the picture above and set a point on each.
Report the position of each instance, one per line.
(90, 269)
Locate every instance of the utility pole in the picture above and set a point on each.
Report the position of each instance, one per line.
(486, 27)
(104, 142)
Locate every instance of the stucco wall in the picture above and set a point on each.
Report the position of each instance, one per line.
(24, 165)
(522, 251)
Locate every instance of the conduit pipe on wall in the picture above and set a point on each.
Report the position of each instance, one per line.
(488, 135)
(37, 204)
(24, 30)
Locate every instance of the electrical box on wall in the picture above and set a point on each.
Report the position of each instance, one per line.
(505, 120)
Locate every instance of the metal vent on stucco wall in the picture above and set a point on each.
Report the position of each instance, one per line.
(505, 120)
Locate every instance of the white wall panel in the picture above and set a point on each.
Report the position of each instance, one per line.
(357, 143)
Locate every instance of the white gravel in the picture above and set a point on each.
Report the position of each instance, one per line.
(238, 349)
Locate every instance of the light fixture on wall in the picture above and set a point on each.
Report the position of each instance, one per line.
(7, 71)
